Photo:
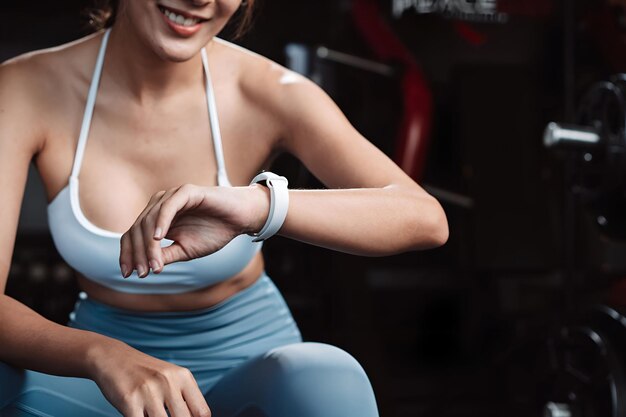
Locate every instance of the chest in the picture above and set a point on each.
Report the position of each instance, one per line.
(133, 150)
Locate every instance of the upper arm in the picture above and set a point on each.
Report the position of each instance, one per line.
(317, 132)
(19, 142)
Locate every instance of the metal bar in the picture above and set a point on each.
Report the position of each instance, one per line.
(354, 61)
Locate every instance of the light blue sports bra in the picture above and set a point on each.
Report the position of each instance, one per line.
(94, 252)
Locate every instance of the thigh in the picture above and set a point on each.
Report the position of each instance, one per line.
(300, 379)
(26, 393)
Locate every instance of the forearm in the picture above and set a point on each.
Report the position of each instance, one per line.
(28, 340)
(366, 221)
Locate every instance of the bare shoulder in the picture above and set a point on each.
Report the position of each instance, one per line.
(32, 85)
(268, 84)
(45, 68)
(20, 105)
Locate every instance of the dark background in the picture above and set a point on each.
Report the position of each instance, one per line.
(447, 332)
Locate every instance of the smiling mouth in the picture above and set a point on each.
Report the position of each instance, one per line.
(179, 18)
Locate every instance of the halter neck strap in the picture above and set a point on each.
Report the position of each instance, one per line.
(222, 177)
(91, 102)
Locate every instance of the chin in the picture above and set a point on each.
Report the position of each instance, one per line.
(179, 50)
(168, 40)
(171, 46)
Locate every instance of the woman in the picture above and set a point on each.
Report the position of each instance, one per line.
(177, 312)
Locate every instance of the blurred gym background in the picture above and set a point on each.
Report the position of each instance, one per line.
(520, 312)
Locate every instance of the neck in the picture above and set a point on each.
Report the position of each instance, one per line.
(141, 73)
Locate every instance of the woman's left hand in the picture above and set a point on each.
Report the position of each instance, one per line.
(200, 220)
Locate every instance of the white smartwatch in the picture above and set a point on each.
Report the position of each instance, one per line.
(279, 203)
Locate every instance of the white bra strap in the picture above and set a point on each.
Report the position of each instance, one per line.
(91, 101)
(222, 178)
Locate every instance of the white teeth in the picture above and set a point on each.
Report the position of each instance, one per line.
(180, 19)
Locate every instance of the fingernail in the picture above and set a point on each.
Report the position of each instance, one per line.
(157, 233)
(141, 270)
(154, 265)
(124, 270)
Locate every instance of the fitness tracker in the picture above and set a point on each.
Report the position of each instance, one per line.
(279, 203)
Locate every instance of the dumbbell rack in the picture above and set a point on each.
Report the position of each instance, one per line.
(581, 371)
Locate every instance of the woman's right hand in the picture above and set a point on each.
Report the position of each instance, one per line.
(140, 385)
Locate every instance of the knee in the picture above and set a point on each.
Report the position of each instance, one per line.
(316, 358)
(320, 379)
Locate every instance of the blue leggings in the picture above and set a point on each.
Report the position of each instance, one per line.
(246, 354)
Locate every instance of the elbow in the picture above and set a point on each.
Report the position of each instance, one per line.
(433, 227)
(440, 231)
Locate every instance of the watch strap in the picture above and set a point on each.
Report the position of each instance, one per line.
(279, 204)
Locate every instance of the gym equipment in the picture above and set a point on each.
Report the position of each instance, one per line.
(415, 126)
(580, 369)
(598, 140)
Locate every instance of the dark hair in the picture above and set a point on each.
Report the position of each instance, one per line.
(102, 15)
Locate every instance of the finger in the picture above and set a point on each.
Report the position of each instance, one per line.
(185, 196)
(155, 409)
(195, 400)
(139, 252)
(132, 410)
(126, 255)
(174, 253)
(177, 405)
(153, 247)
(126, 248)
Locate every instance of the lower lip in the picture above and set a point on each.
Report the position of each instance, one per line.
(180, 29)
